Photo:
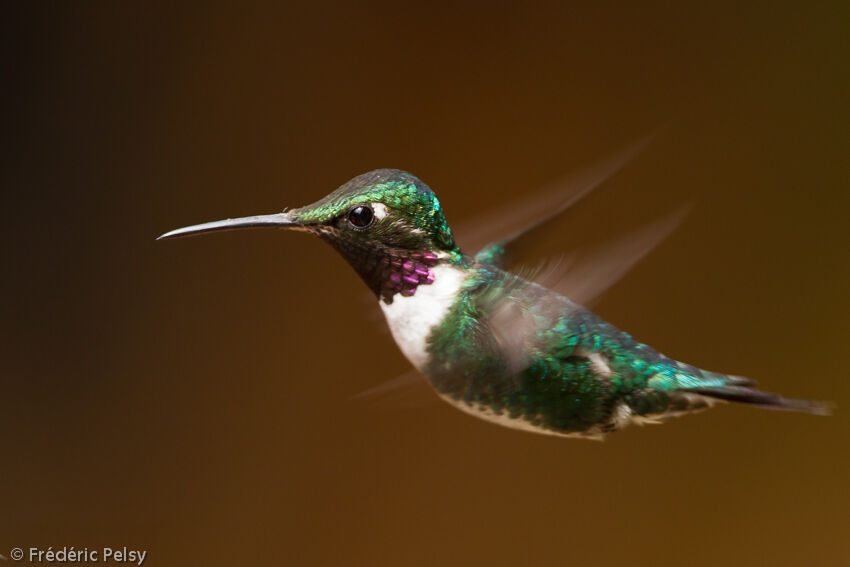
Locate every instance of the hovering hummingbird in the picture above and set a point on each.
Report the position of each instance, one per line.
(491, 342)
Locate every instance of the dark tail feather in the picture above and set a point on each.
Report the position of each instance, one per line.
(733, 392)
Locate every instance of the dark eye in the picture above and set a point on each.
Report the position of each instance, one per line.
(361, 216)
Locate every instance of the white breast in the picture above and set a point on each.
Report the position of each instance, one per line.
(411, 319)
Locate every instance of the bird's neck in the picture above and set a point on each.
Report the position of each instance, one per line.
(391, 272)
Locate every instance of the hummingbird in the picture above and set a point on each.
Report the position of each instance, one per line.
(493, 342)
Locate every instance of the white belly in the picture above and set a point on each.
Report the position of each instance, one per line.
(411, 319)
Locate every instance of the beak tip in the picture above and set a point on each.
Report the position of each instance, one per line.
(169, 234)
(280, 220)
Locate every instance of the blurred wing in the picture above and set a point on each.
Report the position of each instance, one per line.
(405, 391)
(583, 277)
(523, 219)
(522, 311)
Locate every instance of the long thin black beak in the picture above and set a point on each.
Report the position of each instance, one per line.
(279, 220)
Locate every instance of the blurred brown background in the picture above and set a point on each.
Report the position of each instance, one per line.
(192, 398)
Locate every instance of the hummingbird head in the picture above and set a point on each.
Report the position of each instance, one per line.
(386, 223)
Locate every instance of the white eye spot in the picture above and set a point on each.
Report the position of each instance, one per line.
(380, 210)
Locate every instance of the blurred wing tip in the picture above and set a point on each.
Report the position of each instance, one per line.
(552, 203)
(397, 387)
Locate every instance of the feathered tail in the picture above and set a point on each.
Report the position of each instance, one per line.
(768, 400)
(691, 389)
